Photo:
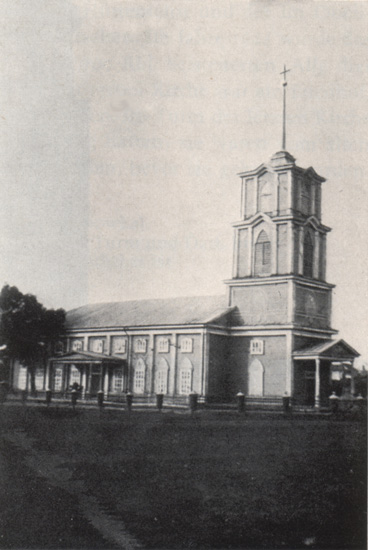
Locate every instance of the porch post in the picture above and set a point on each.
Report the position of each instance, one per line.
(84, 380)
(66, 376)
(352, 379)
(28, 376)
(317, 401)
(47, 381)
(89, 379)
(106, 382)
(102, 372)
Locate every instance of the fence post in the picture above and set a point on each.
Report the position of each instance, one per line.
(334, 402)
(129, 401)
(240, 398)
(286, 403)
(24, 396)
(74, 397)
(159, 401)
(3, 391)
(100, 398)
(361, 402)
(48, 396)
(193, 401)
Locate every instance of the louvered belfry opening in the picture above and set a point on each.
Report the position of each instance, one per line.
(262, 261)
(308, 256)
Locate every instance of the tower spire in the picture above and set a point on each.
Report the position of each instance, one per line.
(284, 84)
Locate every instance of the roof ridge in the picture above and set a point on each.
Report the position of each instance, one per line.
(96, 304)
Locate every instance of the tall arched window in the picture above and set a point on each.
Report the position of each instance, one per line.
(262, 257)
(161, 376)
(185, 378)
(139, 376)
(308, 253)
(265, 197)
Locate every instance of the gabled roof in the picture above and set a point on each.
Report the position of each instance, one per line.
(87, 357)
(170, 311)
(332, 349)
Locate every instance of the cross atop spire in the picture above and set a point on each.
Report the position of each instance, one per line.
(284, 84)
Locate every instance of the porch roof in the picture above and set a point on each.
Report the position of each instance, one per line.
(335, 350)
(87, 357)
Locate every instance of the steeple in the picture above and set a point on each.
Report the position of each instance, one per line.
(284, 84)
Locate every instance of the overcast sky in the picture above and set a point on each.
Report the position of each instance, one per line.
(123, 126)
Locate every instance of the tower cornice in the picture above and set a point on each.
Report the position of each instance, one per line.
(274, 279)
(281, 162)
(297, 218)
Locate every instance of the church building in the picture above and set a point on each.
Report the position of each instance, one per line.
(269, 336)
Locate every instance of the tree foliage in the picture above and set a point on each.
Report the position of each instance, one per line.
(27, 327)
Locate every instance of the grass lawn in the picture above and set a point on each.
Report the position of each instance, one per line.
(215, 480)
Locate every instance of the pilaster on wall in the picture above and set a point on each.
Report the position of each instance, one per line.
(290, 248)
(150, 362)
(291, 190)
(274, 249)
(289, 378)
(108, 344)
(243, 205)
(173, 363)
(291, 301)
(276, 195)
(313, 199)
(301, 251)
(236, 253)
(205, 362)
(130, 362)
(323, 257)
(316, 270)
(250, 248)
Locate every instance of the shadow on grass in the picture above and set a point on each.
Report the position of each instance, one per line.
(214, 480)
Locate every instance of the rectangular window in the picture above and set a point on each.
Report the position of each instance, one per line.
(163, 345)
(140, 345)
(58, 379)
(22, 377)
(59, 348)
(39, 379)
(98, 346)
(186, 345)
(256, 347)
(77, 345)
(119, 345)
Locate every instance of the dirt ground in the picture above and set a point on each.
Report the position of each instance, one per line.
(170, 480)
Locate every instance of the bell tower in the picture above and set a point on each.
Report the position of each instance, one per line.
(279, 264)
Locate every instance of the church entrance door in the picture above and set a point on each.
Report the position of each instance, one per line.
(95, 384)
(255, 379)
(309, 389)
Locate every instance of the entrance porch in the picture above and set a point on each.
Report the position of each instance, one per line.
(87, 372)
(314, 369)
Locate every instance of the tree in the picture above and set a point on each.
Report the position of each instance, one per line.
(27, 328)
